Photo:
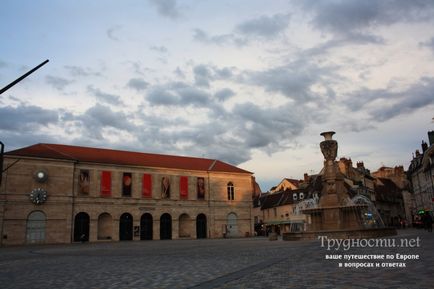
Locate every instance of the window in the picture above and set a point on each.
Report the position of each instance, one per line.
(200, 188)
(165, 187)
(230, 191)
(106, 183)
(126, 184)
(36, 223)
(83, 182)
(147, 186)
(183, 187)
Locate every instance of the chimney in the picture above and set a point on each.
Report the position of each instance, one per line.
(424, 147)
(431, 137)
(306, 178)
(360, 165)
(399, 170)
(417, 153)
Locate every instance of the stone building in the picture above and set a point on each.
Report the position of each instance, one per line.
(400, 183)
(61, 194)
(386, 189)
(421, 176)
(276, 212)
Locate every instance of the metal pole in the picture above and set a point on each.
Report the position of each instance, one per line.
(22, 77)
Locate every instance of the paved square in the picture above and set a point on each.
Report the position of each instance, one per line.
(221, 263)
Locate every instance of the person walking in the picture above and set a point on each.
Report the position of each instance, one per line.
(428, 221)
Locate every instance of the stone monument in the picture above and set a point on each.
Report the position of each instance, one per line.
(335, 216)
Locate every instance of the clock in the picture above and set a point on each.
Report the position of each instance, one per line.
(41, 176)
(38, 196)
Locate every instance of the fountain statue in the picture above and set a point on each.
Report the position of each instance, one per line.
(335, 216)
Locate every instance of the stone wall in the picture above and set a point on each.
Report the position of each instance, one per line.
(65, 201)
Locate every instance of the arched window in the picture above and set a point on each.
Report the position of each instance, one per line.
(231, 194)
(146, 227)
(36, 227)
(81, 227)
(126, 227)
(165, 227)
(201, 226)
(232, 225)
(184, 226)
(105, 226)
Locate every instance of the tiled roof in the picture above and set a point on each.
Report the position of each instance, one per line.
(281, 198)
(118, 157)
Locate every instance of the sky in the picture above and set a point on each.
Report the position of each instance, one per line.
(249, 82)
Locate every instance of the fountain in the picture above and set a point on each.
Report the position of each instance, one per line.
(336, 216)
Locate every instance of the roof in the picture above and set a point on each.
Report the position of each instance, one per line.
(128, 158)
(286, 183)
(281, 198)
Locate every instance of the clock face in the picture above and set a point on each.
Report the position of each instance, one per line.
(38, 196)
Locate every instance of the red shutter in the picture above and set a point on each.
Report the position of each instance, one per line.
(183, 187)
(147, 186)
(106, 183)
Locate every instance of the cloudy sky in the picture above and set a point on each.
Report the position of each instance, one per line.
(249, 82)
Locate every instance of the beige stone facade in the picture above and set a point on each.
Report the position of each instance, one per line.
(68, 213)
(421, 176)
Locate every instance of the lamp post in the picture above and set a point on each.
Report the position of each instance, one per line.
(22, 77)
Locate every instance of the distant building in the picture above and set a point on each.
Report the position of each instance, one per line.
(400, 183)
(276, 210)
(61, 194)
(286, 184)
(421, 176)
(383, 188)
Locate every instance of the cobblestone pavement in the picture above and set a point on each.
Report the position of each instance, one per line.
(223, 263)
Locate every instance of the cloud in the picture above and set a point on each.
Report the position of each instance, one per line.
(78, 71)
(364, 96)
(178, 94)
(264, 26)
(58, 83)
(3, 64)
(428, 43)
(99, 117)
(415, 97)
(25, 118)
(104, 97)
(202, 75)
(224, 94)
(268, 127)
(357, 19)
(167, 8)
(161, 49)
(222, 39)
(112, 31)
(159, 95)
(137, 83)
(294, 80)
